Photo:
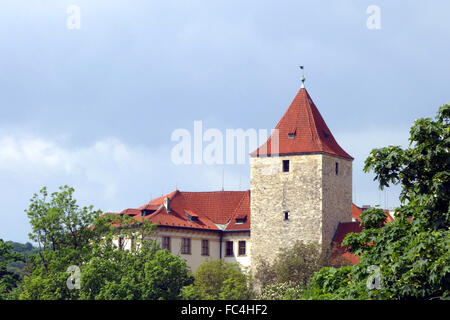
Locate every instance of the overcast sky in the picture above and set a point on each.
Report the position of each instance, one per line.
(95, 107)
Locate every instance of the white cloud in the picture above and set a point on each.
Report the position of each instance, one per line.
(108, 173)
(100, 164)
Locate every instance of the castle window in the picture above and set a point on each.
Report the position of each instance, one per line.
(229, 249)
(337, 168)
(285, 165)
(165, 243)
(205, 247)
(186, 246)
(286, 215)
(242, 251)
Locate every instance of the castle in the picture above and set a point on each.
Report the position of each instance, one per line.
(300, 189)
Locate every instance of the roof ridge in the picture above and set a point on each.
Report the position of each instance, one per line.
(239, 204)
(234, 191)
(313, 127)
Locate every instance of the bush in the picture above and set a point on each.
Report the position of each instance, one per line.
(293, 265)
(218, 280)
(281, 291)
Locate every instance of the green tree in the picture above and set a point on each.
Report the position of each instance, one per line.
(410, 257)
(64, 234)
(9, 280)
(25, 250)
(68, 235)
(281, 291)
(218, 280)
(145, 274)
(291, 270)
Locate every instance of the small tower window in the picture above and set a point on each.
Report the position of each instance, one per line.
(285, 165)
(337, 168)
(286, 215)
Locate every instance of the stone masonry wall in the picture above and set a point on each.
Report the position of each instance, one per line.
(317, 200)
(298, 191)
(336, 194)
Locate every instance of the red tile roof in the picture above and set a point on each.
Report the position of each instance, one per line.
(131, 212)
(216, 210)
(342, 252)
(356, 212)
(347, 227)
(301, 130)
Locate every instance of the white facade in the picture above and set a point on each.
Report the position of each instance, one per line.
(216, 245)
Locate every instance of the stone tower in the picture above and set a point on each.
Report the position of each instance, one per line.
(300, 182)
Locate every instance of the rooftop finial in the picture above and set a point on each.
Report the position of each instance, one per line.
(303, 76)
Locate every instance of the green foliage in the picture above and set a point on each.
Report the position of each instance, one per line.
(412, 253)
(281, 291)
(8, 279)
(218, 280)
(26, 250)
(68, 235)
(328, 284)
(298, 264)
(145, 274)
(292, 268)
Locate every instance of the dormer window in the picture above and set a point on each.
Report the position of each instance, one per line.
(291, 133)
(191, 216)
(241, 220)
(147, 212)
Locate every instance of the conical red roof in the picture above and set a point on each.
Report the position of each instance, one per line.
(301, 130)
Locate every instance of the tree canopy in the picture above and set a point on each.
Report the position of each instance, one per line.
(8, 279)
(218, 280)
(79, 257)
(409, 257)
